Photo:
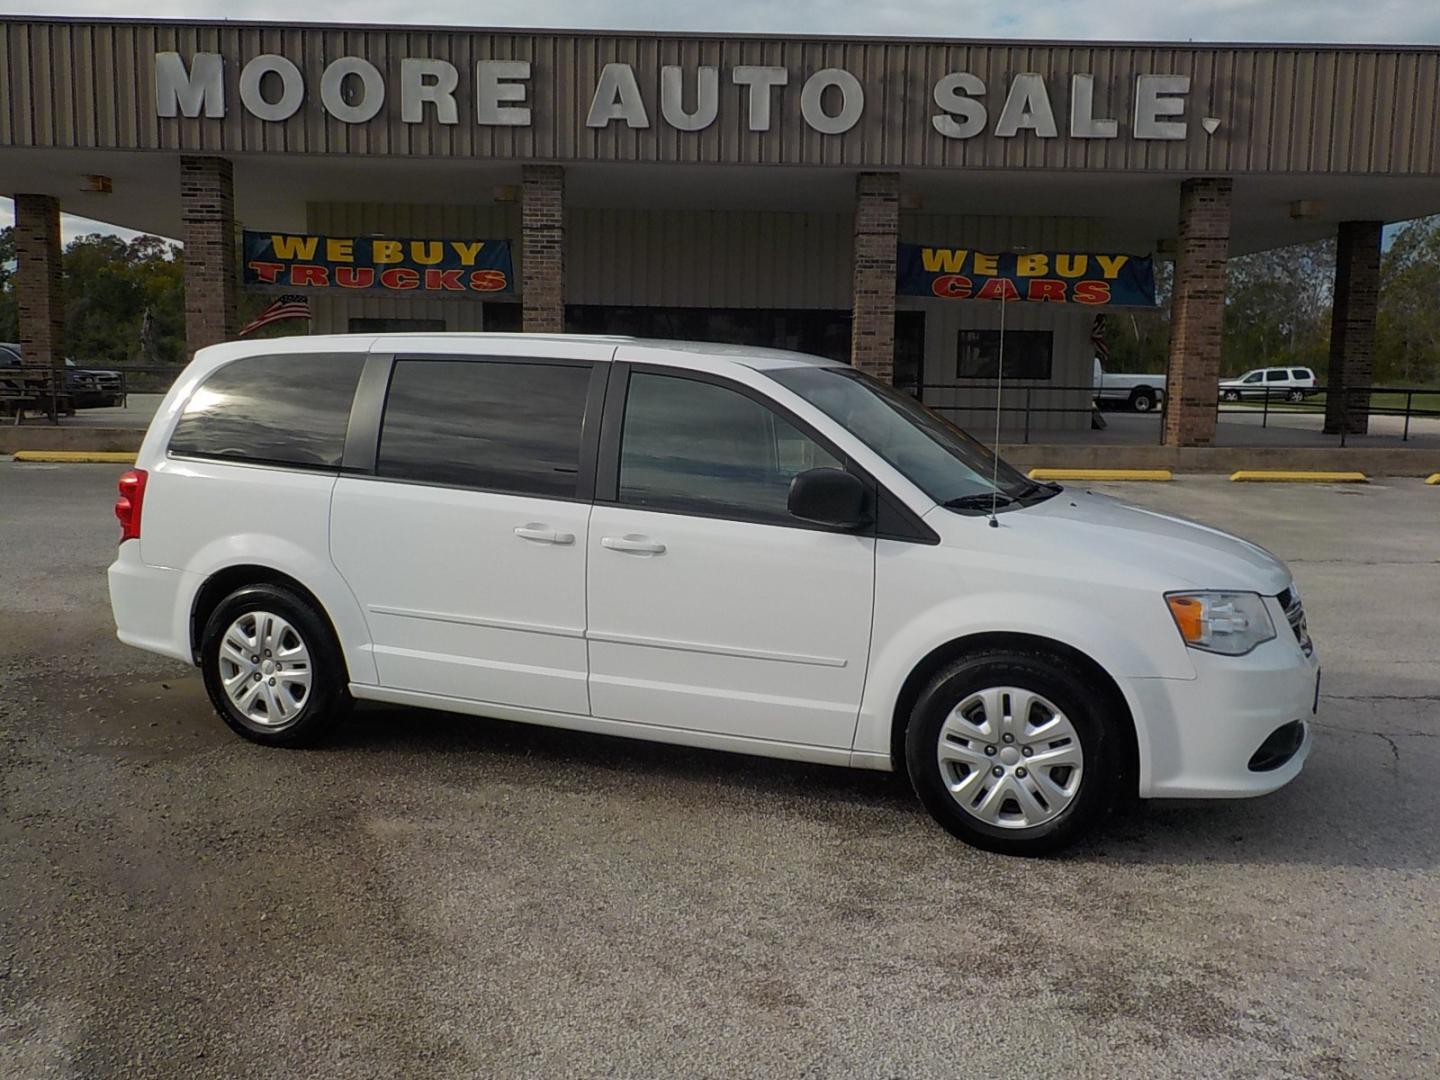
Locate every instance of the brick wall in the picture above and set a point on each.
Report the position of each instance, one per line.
(207, 207)
(877, 220)
(1352, 326)
(542, 245)
(38, 295)
(1197, 312)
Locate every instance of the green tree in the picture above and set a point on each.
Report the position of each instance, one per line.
(1407, 331)
(1277, 308)
(9, 320)
(110, 284)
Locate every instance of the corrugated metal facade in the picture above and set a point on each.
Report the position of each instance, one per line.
(1282, 109)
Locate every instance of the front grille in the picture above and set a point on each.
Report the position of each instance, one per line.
(1295, 616)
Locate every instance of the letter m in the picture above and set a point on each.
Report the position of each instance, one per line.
(178, 91)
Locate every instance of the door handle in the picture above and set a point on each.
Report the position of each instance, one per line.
(543, 534)
(633, 543)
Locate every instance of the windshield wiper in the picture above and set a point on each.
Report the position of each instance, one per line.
(1033, 487)
(981, 501)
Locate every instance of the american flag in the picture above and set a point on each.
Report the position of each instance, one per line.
(1097, 338)
(290, 306)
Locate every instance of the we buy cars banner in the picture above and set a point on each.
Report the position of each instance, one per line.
(377, 263)
(1056, 277)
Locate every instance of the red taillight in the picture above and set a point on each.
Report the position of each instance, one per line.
(127, 506)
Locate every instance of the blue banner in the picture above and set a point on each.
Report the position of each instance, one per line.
(383, 263)
(1055, 277)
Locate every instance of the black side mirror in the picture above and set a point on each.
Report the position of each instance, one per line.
(829, 497)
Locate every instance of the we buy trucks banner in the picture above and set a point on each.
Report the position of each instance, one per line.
(377, 263)
(1056, 277)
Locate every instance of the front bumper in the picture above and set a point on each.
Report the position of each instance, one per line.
(1199, 737)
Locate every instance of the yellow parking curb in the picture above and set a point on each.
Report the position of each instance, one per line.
(73, 457)
(1100, 474)
(1284, 476)
(1433, 478)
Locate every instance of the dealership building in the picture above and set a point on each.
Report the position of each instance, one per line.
(885, 201)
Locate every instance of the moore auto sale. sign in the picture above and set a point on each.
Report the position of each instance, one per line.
(353, 90)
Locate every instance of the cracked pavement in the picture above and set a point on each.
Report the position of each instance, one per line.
(440, 896)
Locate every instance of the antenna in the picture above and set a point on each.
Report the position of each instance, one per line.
(999, 385)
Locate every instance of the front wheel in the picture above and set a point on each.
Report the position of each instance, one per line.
(1230, 395)
(1015, 752)
(272, 667)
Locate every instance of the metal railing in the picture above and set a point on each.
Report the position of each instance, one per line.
(1344, 408)
(1026, 405)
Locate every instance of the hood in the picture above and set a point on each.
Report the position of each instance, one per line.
(1183, 552)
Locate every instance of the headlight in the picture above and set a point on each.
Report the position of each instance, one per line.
(1229, 623)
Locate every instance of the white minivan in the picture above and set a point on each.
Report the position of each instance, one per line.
(716, 546)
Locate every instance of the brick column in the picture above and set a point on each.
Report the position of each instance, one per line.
(877, 226)
(38, 296)
(542, 243)
(207, 208)
(1352, 327)
(1197, 312)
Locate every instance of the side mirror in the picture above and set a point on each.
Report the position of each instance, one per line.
(829, 497)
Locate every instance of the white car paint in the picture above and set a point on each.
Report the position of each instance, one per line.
(755, 638)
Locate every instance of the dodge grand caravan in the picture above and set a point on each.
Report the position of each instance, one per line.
(724, 547)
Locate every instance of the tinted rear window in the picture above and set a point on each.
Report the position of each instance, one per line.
(286, 410)
(495, 425)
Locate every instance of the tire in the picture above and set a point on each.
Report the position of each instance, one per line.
(298, 711)
(1142, 399)
(1230, 395)
(1068, 805)
(1295, 395)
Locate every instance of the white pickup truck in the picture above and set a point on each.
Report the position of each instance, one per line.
(1140, 393)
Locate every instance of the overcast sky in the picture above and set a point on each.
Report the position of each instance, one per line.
(1365, 21)
(1416, 21)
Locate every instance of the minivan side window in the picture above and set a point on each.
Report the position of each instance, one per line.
(512, 427)
(1276, 375)
(290, 409)
(1302, 373)
(697, 447)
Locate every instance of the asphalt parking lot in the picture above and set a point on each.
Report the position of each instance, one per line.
(436, 896)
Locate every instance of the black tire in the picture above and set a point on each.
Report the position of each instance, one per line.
(1092, 715)
(1142, 399)
(328, 700)
(1230, 395)
(1295, 395)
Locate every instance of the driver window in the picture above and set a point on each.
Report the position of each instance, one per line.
(697, 447)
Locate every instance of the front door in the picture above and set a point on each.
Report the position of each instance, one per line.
(466, 549)
(711, 607)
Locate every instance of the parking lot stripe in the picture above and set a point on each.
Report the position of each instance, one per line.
(87, 457)
(1284, 476)
(1100, 474)
(1433, 478)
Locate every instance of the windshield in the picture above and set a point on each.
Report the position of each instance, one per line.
(935, 455)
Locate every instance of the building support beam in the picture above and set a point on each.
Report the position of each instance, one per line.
(207, 209)
(877, 227)
(542, 245)
(1352, 327)
(39, 297)
(1197, 312)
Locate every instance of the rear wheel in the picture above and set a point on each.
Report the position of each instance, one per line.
(1015, 751)
(1142, 399)
(1295, 395)
(272, 668)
